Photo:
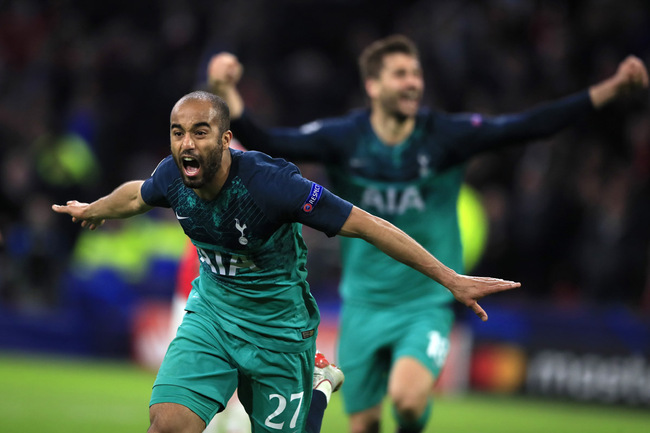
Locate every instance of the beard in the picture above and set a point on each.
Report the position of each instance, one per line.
(391, 104)
(209, 167)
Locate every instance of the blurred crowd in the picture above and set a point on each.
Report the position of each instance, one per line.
(86, 89)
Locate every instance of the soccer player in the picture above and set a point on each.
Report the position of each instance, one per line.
(251, 322)
(405, 164)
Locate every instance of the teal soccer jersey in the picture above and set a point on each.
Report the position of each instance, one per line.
(415, 184)
(253, 277)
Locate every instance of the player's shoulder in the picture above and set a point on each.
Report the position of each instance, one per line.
(166, 168)
(271, 182)
(357, 118)
(443, 122)
(427, 115)
(255, 164)
(156, 188)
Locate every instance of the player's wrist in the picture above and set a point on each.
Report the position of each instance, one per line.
(604, 92)
(449, 278)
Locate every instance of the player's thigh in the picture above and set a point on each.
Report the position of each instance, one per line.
(364, 355)
(197, 371)
(275, 388)
(174, 417)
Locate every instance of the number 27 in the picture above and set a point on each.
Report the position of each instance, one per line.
(282, 405)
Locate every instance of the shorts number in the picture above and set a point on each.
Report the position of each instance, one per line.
(438, 348)
(282, 405)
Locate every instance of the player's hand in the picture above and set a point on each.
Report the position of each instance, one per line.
(630, 75)
(224, 71)
(77, 211)
(468, 290)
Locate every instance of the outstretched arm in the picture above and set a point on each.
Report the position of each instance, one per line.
(123, 202)
(475, 133)
(630, 75)
(397, 244)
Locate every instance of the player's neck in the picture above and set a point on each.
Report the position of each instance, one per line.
(390, 129)
(211, 190)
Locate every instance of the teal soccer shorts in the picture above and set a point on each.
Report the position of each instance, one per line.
(204, 365)
(371, 339)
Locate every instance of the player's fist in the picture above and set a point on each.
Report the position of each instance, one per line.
(224, 70)
(631, 74)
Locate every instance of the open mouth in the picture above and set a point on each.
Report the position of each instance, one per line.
(191, 165)
(410, 96)
(409, 103)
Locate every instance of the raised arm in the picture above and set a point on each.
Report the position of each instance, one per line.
(630, 75)
(397, 244)
(125, 201)
(319, 141)
(475, 133)
(224, 72)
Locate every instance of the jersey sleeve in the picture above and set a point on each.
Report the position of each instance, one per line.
(473, 133)
(318, 141)
(321, 209)
(154, 189)
(285, 196)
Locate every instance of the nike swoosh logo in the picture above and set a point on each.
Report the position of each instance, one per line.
(181, 217)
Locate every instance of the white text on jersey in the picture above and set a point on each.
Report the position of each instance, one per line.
(392, 201)
(220, 265)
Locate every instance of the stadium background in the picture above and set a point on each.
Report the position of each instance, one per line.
(85, 94)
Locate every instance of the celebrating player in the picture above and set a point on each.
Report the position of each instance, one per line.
(251, 322)
(405, 164)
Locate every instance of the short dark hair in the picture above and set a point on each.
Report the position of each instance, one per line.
(220, 106)
(371, 59)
